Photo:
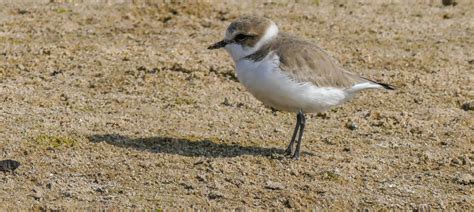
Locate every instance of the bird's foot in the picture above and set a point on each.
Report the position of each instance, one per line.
(289, 151)
(296, 156)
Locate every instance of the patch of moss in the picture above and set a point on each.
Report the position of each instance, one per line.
(49, 141)
(332, 176)
(9, 40)
(83, 108)
(63, 10)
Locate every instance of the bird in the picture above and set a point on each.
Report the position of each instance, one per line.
(289, 73)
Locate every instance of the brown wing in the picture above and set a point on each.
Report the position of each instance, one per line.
(306, 62)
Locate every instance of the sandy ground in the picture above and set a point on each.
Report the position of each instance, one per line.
(122, 106)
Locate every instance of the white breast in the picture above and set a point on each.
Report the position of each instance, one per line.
(274, 88)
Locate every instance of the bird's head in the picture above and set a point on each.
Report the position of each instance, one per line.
(246, 35)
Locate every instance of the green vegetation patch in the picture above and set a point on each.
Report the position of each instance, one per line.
(332, 176)
(63, 10)
(49, 141)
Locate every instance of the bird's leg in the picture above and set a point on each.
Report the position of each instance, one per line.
(302, 121)
(289, 150)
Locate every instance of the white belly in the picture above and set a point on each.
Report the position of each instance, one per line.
(274, 88)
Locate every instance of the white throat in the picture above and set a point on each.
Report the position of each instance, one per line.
(238, 51)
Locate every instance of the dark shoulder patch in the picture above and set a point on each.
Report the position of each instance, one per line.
(260, 54)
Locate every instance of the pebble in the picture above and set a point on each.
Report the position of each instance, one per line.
(468, 106)
(290, 203)
(67, 194)
(347, 149)
(351, 125)
(37, 193)
(465, 179)
(187, 185)
(274, 185)
(226, 102)
(215, 195)
(277, 130)
(456, 161)
(449, 2)
(9, 165)
(201, 177)
(21, 67)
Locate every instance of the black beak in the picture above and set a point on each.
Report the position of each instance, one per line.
(218, 45)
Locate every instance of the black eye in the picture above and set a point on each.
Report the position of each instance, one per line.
(240, 37)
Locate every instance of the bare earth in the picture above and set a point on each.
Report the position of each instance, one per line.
(120, 105)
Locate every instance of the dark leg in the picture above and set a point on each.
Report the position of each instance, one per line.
(302, 119)
(289, 150)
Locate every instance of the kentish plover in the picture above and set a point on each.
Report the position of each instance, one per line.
(288, 73)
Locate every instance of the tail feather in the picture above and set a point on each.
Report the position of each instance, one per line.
(369, 85)
(384, 85)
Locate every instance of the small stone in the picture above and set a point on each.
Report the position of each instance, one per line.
(215, 195)
(290, 203)
(465, 179)
(46, 51)
(274, 185)
(456, 161)
(22, 11)
(21, 67)
(468, 106)
(274, 111)
(201, 177)
(466, 161)
(447, 16)
(141, 68)
(9, 165)
(63, 97)
(416, 130)
(153, 71)
(462, 160)
(37, 194)
(198, 163)
(241, 209)
(187, 186)
(276, 155)
(449, 2)
(67, 194)
(226, 102)
(323, 115)
(56, 72)
(351, 125)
